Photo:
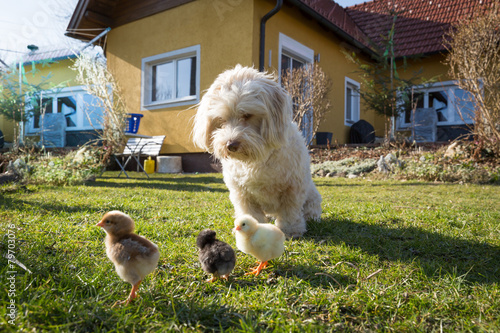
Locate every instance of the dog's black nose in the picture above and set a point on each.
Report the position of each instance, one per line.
(233, 145)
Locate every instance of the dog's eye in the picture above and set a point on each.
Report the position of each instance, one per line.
(219, 122)
(246, 116)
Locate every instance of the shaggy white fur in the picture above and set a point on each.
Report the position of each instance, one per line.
(245, 120)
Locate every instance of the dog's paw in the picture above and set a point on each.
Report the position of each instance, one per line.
(314, 218)
(294, 236)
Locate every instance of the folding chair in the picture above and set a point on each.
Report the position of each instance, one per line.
(135, 148)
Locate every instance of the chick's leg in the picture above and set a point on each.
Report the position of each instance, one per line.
(130, 297)
(212, 279)
(256, 270)
(133, 292)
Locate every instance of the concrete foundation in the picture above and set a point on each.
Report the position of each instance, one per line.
(168, 164)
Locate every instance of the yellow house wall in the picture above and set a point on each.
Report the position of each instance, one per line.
(7, 128)
(223, 30)
(432, 68)
(60, 75)
(59, 71)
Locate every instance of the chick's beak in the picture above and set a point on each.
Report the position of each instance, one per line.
(237, 228)
(100, 224)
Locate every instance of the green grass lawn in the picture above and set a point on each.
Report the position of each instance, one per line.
(387, 256)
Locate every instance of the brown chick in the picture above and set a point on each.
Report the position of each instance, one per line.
(216, 257)
(262, 240)
(134, 256)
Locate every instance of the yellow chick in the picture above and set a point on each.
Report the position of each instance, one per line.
(134, 256)
(262, 240)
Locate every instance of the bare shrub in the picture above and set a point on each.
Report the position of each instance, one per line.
(308, 86)
(474, 61)
(99, 82)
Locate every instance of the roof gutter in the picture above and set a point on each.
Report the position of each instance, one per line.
(263, 21)
(322, 20)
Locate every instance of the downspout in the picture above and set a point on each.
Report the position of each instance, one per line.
(96, 38)
(263, 21)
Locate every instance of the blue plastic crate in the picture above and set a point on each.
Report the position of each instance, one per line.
(134, 121)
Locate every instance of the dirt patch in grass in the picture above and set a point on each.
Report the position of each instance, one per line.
(320, 154)
(458, 162)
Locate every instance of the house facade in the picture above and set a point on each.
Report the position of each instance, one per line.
(164, 54)
(421, 30)
(79, 112)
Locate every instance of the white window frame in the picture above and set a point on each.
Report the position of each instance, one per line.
(77, 92)
(355, 103)
(292, 48)
(449, 87)
(146, 78)
(295, 50)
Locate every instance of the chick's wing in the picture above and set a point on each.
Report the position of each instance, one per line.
(265, 236)
(133, 247)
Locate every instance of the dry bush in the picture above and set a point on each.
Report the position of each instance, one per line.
(99, 82)
(474, 61)
(308, 87)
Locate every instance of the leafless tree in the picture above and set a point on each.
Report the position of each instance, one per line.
(474, 61)
(308, 87)
(98, 81)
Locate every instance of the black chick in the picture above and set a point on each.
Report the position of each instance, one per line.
(216, 257)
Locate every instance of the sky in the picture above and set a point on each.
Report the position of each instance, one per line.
(43, 23)
(39, 22)
(347, 3)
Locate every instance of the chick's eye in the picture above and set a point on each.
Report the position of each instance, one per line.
(107, 222)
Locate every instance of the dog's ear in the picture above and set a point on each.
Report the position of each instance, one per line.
(203, 127)
(279, 105)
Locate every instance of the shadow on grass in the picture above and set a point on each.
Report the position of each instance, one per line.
(433, 252)
(211, 317)
(16, 204)
(212, 314)
(314, 276)
(326, 183)
(189, 183)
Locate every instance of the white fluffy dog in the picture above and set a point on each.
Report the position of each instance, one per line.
(245, 120)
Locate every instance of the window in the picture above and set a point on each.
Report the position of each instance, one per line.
(289, 62)
(171, 79)
(293, 54)
(81, 110)
(453, 105)
(351, 102)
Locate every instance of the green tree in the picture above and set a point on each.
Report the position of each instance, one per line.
(382, 89)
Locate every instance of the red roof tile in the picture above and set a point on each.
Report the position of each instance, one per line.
(337, 15)
(420, 24)
(336, 19)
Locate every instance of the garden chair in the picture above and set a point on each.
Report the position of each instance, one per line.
(135, 148)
